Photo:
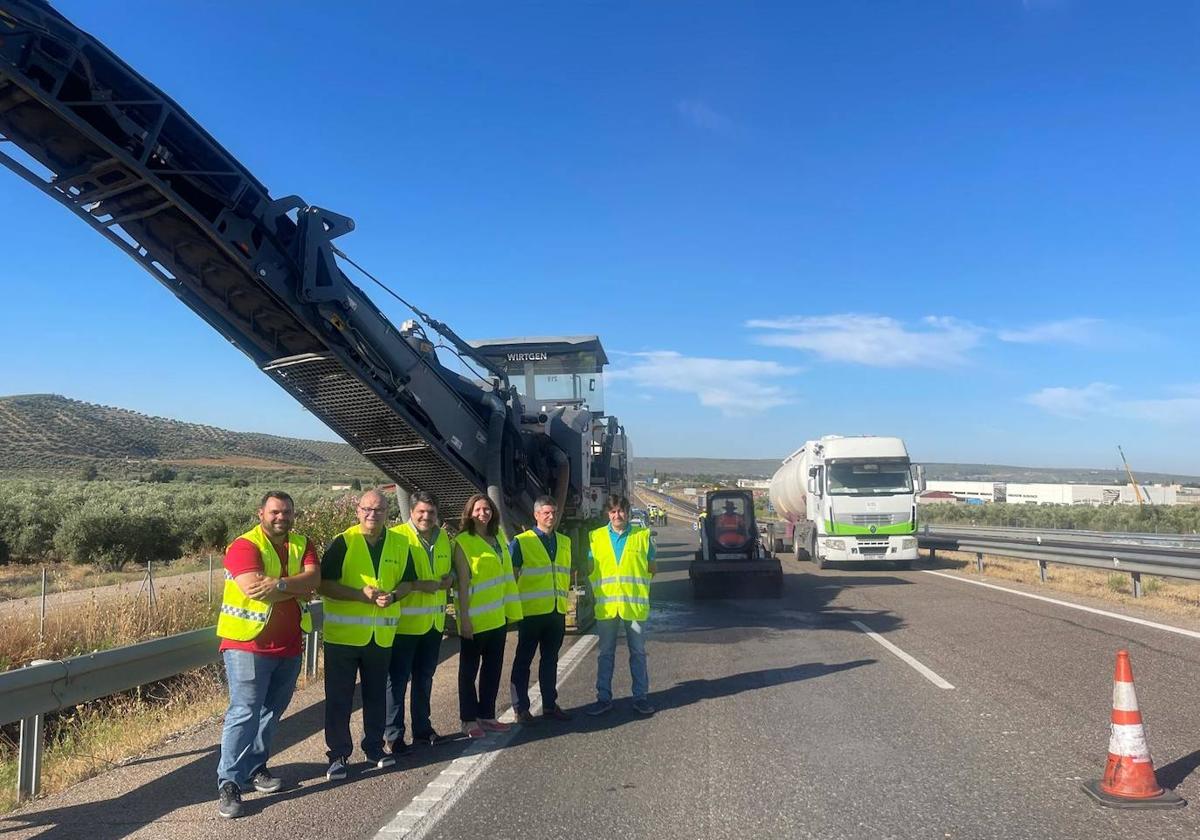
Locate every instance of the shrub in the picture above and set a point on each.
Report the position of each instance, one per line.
(161, 475)
(111, 538)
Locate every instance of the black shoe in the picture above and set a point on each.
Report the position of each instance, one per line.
(556, 713)
(229, 801)
(428, 738)
(397, 747)
(524, 716)
(264, 782)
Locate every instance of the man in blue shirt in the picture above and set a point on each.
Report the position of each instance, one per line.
(620, 566)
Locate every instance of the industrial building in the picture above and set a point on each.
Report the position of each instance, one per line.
(1051, 494)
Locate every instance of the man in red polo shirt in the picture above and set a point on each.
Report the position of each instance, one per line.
(271, 574)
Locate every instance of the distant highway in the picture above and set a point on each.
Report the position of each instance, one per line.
(863, 704)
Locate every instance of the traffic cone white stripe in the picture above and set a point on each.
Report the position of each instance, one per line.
(1129, 741)
(1124, 697)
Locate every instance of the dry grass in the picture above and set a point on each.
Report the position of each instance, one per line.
(25, 581)
(1165, 595)
(99, 624)
(98, 736)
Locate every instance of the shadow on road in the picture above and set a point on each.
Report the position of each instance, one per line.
(1172, 775)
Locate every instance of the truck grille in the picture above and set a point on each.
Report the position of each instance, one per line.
(877, 518)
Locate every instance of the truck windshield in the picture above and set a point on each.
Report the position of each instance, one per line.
(870, 478)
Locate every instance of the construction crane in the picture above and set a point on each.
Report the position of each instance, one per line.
(1137, 490)
(264, 272)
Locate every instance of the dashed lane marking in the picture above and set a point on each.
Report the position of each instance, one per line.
(908, 659)
(422, 814)
(1167, 627)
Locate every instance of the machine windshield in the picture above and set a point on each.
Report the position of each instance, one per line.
(869, 478)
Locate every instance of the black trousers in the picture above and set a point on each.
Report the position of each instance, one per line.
(482, 657)
(344, 664)
(533, 632)
(414, 659)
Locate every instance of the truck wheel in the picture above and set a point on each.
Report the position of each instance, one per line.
(701, 589)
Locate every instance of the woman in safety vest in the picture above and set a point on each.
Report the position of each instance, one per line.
(487, 601)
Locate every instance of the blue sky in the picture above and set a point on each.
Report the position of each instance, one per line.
(969, 224)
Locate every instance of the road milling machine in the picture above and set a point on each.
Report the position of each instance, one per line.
(515, 419)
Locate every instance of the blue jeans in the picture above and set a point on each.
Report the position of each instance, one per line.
(260, 688)
(635, 636)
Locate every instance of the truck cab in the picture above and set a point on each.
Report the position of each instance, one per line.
(862, 501)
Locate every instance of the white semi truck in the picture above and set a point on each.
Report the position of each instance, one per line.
(848, 499)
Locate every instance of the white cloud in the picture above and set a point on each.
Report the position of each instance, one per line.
(1067, 331)
(702, 115)
(734, 386)
(1096, 398)
(1100, 399)
(875, 340)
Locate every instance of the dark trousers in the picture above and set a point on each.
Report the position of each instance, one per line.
(537, 631)
(414, 659)
(344, 664)
(482, 657)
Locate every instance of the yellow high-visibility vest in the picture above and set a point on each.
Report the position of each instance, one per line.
(543, 583)
(242, 618)
(421, 612)
(356, 623)
(491, 593)
(621, 591)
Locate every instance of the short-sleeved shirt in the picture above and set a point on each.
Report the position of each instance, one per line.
(335, 557)
(549, 542)
(281, 636)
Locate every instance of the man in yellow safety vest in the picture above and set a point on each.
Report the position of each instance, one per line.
(541, 561)
(415, 652)
(621, 559)
(361, 577)
(270, 573)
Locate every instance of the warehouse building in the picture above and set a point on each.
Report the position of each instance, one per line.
(1053, 494)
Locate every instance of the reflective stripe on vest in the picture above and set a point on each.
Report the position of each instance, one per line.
(538, 572)
(421, 612)
(242, 618)
(357, 623)
(492, 596)
(621, 590)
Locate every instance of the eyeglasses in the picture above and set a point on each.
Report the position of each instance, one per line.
(376, 511)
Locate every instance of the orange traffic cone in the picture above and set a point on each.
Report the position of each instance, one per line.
(1129, 774)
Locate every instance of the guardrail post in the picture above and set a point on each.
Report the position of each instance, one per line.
(1137, 584)
(933, 554)
(1042, 570)
(29, 754)
(979, 562)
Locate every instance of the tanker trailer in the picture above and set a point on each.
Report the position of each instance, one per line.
(848, 499)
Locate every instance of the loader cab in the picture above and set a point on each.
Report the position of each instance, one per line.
(729, 520)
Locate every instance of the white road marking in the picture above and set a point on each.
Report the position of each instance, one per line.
(908, 659)
(420, 816)
(1167, 627)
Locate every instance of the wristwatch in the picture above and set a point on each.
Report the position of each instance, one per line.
(281, 585)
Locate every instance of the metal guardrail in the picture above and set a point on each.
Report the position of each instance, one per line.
(1111, 552)
(28, 694)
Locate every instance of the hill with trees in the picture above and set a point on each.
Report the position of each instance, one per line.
(47, 433)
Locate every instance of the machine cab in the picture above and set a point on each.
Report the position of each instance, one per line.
(729, 524)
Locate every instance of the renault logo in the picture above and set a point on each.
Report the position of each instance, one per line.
(872, 529)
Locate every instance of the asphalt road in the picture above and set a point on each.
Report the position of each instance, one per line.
(779, 718)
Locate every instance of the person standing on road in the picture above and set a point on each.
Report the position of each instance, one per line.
(541, 560)
(418, 642)
(270, 574)
(362, 573)
(621, 564)
(487, 601)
